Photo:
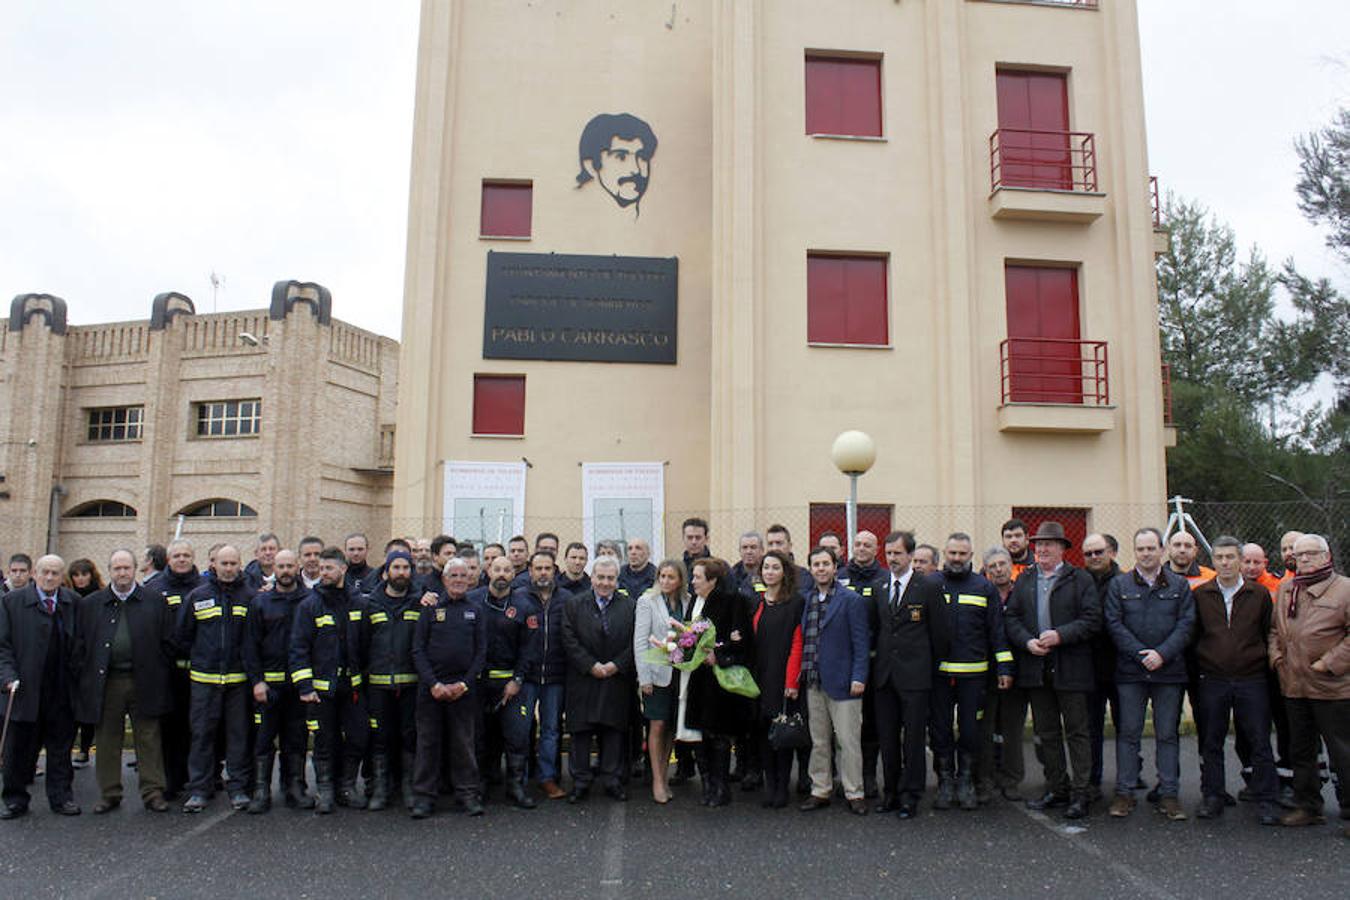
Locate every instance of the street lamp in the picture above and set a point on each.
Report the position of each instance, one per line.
(853, 453)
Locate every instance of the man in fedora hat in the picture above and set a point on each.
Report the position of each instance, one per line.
(1051, 616)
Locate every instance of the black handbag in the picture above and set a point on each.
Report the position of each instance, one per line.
(789, 731)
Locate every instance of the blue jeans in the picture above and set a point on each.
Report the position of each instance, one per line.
(550, 697)
(1134, 698)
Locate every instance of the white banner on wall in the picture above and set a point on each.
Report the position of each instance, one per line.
(623, 501)
(484, 501)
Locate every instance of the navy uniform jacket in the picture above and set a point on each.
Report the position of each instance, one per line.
(552, 667)
(975, 621)
(211, 628)
(267, 646)
(513, 634)
(637, 581)
(393, 621)
(450, 643)
(317, 659)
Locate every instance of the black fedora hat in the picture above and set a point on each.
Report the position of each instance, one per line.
(1051, 531)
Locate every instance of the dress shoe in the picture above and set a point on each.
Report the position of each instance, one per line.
(156, 803)
(1153, 796)
(1210, 808)
(578, 795)
(13, 812)
(1228, 799)
(239, 801)
(1012, 795)
(908, 809)
(886, 804)
(803, 787)
(421, 811)
(1170, 807)
(858, 806)
(106, 806)
(813, 802)
(80, 759)
(1286, 798)
(1246, 795)
(69, 808)
(616, 792)
(1049, 800)
(551, 790)
(1301, 817)
(195, 804)
(1078, 808)
(1270, 814)
(473, 807)
(1121, 806)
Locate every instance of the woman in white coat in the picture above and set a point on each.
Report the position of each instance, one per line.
(661, 603)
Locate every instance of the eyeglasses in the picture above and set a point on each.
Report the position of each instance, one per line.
(1304, 554)
(1092, 553)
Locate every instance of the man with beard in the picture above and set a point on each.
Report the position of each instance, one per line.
(550, 677)
(394, 610)
(639, 573)
(211, 631)
(259, 569)
(279, 715)
(179, 579)
(866, 577)
(573, 577)
(1014, 533)
(506, 685)
(1099, 558)
(1287, 541)
(329, 642)
(975, 622)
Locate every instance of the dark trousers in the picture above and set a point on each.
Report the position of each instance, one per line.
(776, 765)
(86, 736)
(1002, 762)
(54, 731)
(219, 709)
(175, 734)
(280, 723)
(1060, 719)
(393, 726)
(1135, 697)
(340, 724)
(900, 720)
(610, 741)
(1309, 721)
(443, 724)
(1275, 702)
(1245, 699)
(119, 702)
(1104, 697)
(967, 695)
(503, 728)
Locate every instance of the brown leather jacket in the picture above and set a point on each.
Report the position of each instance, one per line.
(1320, 631)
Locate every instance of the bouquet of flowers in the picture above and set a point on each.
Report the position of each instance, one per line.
(687, 646)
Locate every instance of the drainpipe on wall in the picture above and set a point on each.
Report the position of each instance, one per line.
(54, 517)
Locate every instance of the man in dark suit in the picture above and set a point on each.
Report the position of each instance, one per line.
(125, 660)
(37, 647)
(835, 647)
(597, 631)
(910, 635)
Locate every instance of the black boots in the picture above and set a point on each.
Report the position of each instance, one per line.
(262, 784)
(347, 794)
(379, 776)
(323, 786)
(965, 783)
(515, 782)
(946, 791)
(296, 795)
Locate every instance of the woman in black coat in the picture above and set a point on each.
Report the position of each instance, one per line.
(82, 576)
(718, 713)
(778, 663)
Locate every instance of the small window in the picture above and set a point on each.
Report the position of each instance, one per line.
(229, 418)
(220, 509)
(102, 509)
(499, 404)
(843, 96)
(507, 209)
(116, 423)
(846, 299)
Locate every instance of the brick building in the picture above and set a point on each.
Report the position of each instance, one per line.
(274, 419)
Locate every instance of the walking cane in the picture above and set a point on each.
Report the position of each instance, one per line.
(4, 732)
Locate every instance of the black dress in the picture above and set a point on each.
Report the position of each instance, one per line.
(710, 708)
(774, 632)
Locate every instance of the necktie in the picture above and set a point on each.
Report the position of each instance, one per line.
(50, 604)
(895, 596)
(604, 616)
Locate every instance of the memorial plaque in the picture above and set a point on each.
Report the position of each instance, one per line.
(589, 308)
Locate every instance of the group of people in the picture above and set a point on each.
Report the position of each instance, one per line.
(449, 671)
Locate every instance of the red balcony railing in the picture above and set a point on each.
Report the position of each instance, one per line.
(1167, 394)
(1046, 160)
(1054, 370)
(1157, 205)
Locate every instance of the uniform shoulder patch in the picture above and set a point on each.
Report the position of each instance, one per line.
(510, 612)
(531, 622)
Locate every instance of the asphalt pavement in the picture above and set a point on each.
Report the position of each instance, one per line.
(605, 849)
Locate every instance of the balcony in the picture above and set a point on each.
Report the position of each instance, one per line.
(1162, 237)
(1047, 176)
(1056, 385)
(1071, 4)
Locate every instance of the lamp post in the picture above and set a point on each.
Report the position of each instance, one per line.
(853, 453)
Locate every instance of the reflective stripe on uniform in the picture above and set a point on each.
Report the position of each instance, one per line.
(257, 718)
(379, 617)
(374, 723)
(1004, 656)
(389, 680)
(323, 620)
(182, 663)
(217, 678)
(275, 676)
(972, 600)
(964, 668)
(211, 613)
(501, 673)
(174, 600)
(411, 615)
(357, 680)
(320, 684)
(239, 610)
(354, 615)
(312, 724)
(300, 674)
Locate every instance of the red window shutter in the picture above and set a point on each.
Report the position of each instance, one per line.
(1033, 118)
(507, 209)
(847, 300)
(1073, 519)
(843, 96)
(873, 517)
(499, 404)
(1042, 303)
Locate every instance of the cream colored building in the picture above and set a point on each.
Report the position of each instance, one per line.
(958, 150)
(277, 419)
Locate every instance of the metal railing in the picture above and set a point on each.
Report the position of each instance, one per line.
(1046, 160)
(1054, 370)
(1167, 395)
(1153, 199)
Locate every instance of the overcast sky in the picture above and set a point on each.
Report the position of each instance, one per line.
(145, 144)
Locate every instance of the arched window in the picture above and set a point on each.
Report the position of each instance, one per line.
(102, 509)
(220, 509)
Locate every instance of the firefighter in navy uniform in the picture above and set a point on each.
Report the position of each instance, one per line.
(975, 623)
(869, 579)
(173, 584)
(514, 644)
(278, 713)
(394, 609)
(329, 642)
(211, 630)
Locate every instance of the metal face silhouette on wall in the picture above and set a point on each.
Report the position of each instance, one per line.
(616, 150)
